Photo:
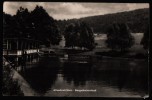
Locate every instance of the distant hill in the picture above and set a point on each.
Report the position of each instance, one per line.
(137, 20)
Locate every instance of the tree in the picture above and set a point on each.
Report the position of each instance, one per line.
(10, 27)
(100, 23)
(145, 39)
(69, 35)
(126, 40)
(36, 24)
(80, 35)
(119, 37)
(45, 27)
(23, 23)
(86, 36)
(112, 35)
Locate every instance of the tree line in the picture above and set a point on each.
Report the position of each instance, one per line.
(36, 24)
(136, 20)
(39, 25)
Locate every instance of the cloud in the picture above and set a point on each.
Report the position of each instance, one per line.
(134, 6)
(75, 8)
(67, 10)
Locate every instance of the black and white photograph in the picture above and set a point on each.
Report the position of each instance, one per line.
(76, 49)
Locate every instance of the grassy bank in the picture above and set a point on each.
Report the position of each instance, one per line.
(13, 83)
(10, 87)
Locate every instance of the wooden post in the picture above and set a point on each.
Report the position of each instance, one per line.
(16, 62)
(29, 44)
(35, 45)
(17, 44)
(10, 46)
(30, 57)
(25, 45)
(7, 45)
(32, 45)
(21, 45)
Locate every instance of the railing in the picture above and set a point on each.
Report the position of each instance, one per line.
(9, 52)
(19, 52)
(32, 51)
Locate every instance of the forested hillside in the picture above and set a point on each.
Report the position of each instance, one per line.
(137, 20)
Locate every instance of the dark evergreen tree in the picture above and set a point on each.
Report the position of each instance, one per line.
(125, 40)
(10, 26)
(45, 27)
(69, 35)
(36, 24)
(112, 35)
(145, 39)
(80, 35)
(119, 37)
(86, 36)
(23, 23)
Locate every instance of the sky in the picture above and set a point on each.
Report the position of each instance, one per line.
(69, 10)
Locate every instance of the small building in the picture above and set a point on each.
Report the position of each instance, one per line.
(17, 50)
(15, 46)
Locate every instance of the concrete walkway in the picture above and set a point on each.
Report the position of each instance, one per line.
(25, 87)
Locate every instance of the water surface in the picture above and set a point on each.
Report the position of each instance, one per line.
(107, 77)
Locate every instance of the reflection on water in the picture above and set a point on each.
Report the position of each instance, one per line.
(43, 75)
(109, 77)
(77, 73)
